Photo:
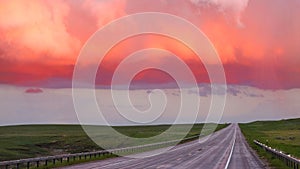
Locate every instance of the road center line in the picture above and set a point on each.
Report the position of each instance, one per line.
(231, 151)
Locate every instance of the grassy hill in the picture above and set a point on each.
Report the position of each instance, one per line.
(282, 135)
(27, 141)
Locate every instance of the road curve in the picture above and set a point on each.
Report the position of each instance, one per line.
(226, 148)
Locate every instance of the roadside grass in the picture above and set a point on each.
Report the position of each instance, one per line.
(27, 141)
(283, 135)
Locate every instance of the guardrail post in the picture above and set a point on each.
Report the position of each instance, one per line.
(78, 156)
(286, 159)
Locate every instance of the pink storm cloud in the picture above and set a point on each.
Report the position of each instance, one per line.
(256, 40)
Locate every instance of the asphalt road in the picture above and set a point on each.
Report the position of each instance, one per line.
(226, 148)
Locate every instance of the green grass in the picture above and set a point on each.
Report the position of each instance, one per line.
(27, 141)
(282, 135)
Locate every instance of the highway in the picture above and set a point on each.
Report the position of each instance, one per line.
(226, 148)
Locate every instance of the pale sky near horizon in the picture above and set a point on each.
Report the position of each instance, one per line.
(55, 106)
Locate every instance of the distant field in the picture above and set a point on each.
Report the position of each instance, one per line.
(28, 141)
(283, 135)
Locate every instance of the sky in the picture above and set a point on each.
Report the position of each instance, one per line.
(257, 42)
(55, 106)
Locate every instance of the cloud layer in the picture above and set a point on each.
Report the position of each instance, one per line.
(257, 40)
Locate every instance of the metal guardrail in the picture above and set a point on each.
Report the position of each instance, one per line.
(45, 161)
(287, 159)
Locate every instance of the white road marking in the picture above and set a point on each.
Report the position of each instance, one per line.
(229, 158)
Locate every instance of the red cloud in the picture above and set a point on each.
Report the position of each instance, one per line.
(40, 40)
(34, 90)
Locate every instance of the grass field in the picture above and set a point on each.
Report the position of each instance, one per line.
(28, 141)
(282, 135)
